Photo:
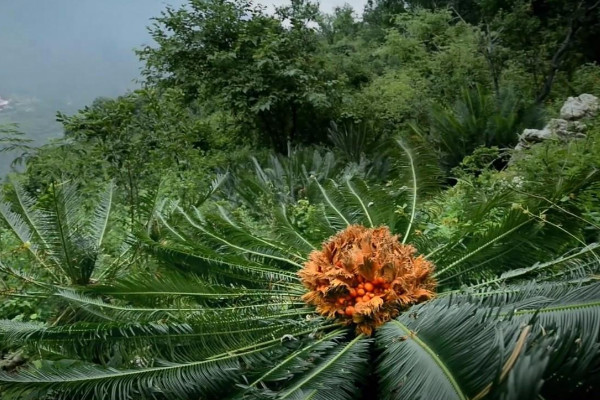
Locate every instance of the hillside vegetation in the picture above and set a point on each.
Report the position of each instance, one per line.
(308, 206)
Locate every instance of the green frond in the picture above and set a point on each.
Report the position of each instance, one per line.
(27, 278)
(99, 224)
(356, 141)
(517, 245)
(209, 264)
(413, 189)
(171, 378)
(576, 264)
(235, 228)
(337, 375)
(360, 198)
(512, 243)
(64, 222)
(334, 201)
(289, 233)
(217, 183)
(298, 361)
(424, 354)
(553, 328)
(378, 203)
(283, 178)
(571, 326)
(177, 380)
(28, 210)
(182, 312)
(157, 339)
(63, 238)
(581, 299)
(356, 201)
(419, 178)
(237, 240)
(165, 285)
(26, 236)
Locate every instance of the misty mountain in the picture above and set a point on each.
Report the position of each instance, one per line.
(62, 54)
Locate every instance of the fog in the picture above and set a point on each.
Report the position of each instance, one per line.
(62, 54)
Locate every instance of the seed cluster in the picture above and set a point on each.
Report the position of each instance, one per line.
(366, 276)
(363, 292)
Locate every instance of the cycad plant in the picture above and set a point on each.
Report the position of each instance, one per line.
(480, 118)
(358, 304)
(63, 235)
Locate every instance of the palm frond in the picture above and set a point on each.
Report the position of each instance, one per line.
(290, 233)
(99, 223)
(63, 238)
(165, 284)
(184, 312)
(424, 356)
(355, 141)
(218, 267)
(418, 176)
(412, 189)
(237, 240)
(334, 201)
(171, 378)
(22, 230)
(428, 342)
(336, 376)
(298, 361)
(157, 339)
(577, 263)
(197, 378)
(283, 178)
(27, 208)
(472, 253)
(377, 205)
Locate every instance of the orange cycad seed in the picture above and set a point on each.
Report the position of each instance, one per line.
(366, 276)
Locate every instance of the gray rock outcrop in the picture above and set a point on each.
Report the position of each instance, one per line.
(575, 108)
(568, 126)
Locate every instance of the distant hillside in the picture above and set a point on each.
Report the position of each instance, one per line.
(61, 55)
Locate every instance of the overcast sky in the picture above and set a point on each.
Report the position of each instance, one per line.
(326, 5)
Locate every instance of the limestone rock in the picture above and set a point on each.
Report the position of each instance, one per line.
(568, 126)
(566, 129)
(585, 105)
(535, 135)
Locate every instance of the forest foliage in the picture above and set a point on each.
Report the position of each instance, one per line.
(153, 251)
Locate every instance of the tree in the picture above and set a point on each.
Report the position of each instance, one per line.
(262, 68)
(264, 308)
(545, 36)
(380, 14)
(468, 10)
(140, 140)
(342, 24)
(583, 16)
(425, 59)
(12, 141)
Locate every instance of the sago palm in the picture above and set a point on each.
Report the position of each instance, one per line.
(307, 287)
(63, 235)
